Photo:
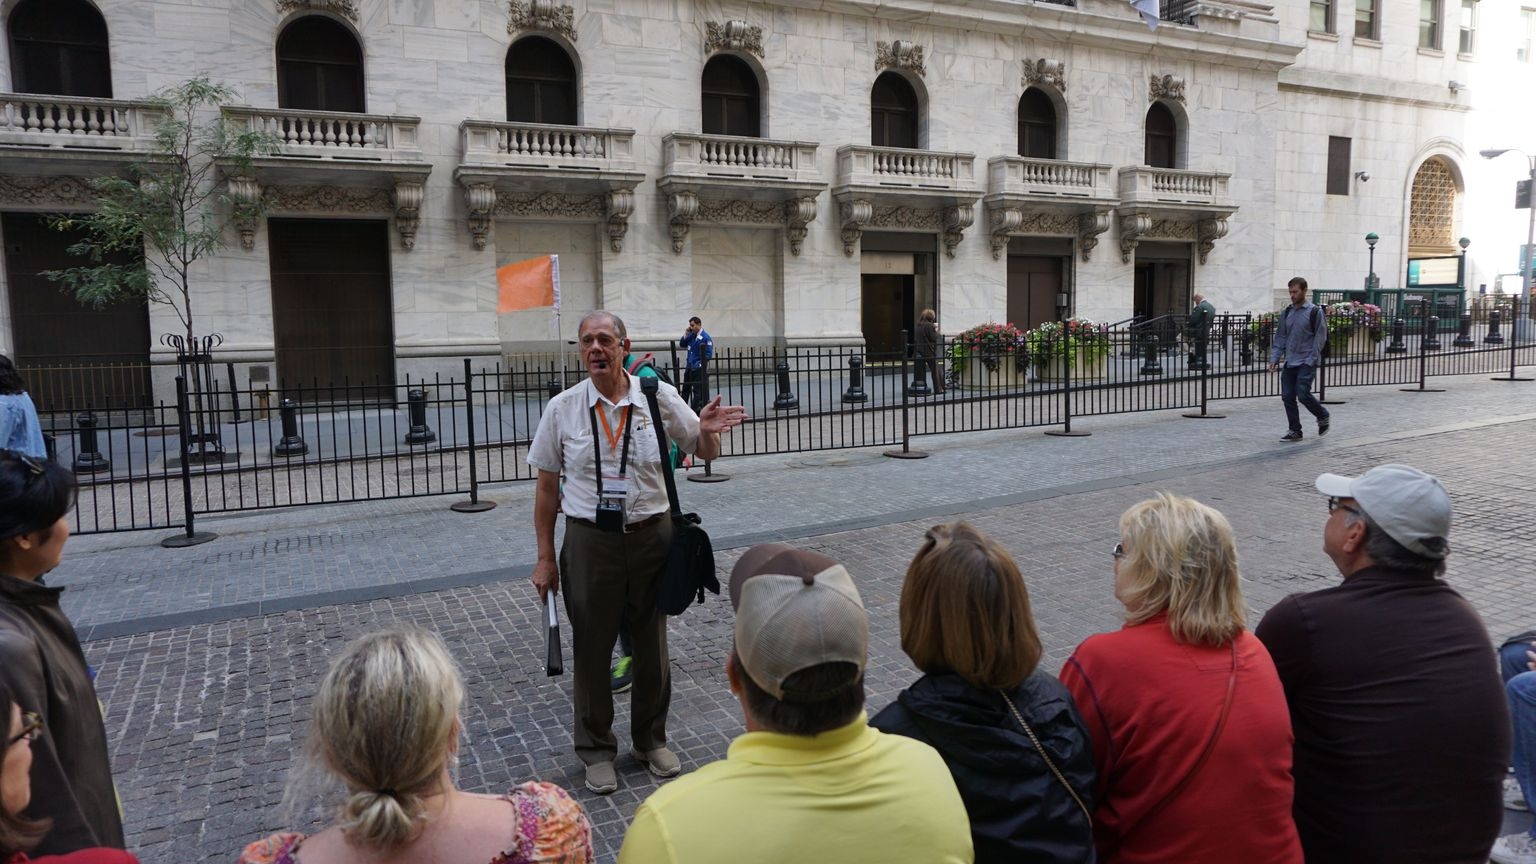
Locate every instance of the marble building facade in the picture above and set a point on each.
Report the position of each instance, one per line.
(803, 232)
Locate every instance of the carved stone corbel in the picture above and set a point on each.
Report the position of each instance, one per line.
(1169, 87)
(408, 195)
(621, 203)
(1132, 226)
(956, 219)
(1003, 221)
(854, 215)
(681, 208)
(345, 8)
(733, 36)
(245, 194)
(1052, 73)
(798, 213)
(1208, 231)
(1089, 227)
(481, 198)
(542, 15)
(900, 54)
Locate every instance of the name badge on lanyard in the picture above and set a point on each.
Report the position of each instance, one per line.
(613, 486)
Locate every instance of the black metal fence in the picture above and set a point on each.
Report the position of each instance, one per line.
(146, 466)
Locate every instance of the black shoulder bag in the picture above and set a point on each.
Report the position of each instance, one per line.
(691, 561)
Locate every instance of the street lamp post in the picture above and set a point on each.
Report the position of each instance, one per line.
(1530, 228)
(1371, 282)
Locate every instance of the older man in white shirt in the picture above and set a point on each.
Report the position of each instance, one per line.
(600, 436)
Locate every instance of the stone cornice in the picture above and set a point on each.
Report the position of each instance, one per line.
(1358, 88)
(1069, 25)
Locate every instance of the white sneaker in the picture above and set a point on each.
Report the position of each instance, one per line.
(1514, 799)
(1514, 849)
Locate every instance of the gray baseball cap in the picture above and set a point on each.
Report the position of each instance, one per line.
(1408, 504)
(795, 609)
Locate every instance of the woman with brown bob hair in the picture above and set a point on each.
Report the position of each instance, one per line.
(1010, 733)
(1191, 735)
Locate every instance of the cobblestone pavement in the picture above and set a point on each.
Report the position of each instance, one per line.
(209, 656)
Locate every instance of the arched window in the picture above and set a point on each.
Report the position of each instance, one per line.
(894, 112)
(59, 47)
(1037, 125)
(1432, 209)
(1162, 137)
(319, 67)
(732, 104)
(541, 83)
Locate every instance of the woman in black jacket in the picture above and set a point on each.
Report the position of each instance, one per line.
(1010, 734)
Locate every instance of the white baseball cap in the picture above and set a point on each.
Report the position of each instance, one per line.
(1408, 504)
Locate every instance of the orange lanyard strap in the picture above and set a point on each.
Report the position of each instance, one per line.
(613, 435)
(597, 456)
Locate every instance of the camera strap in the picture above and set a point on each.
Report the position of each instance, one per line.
(597, 456)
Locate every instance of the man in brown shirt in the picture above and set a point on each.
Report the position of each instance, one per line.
(1402, 732)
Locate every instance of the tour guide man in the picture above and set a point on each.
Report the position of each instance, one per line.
(599, 435)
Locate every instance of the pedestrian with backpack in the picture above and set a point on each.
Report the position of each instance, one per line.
(1299, 340)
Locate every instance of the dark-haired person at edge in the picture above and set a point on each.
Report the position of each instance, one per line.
(617, 539)
(43, 666)
(20, 835)
(20, 429)
(966, 623)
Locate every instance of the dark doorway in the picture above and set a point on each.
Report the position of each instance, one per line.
(1162, 150)
(59, 47)
(894, 112)
(541, 83)
(1033, 285)
(732, 104)
(1037, 125)
(1162, 293)
(71, 355)
(331, 308)
(888, 307)
(319, 67)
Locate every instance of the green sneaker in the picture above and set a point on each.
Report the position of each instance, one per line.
(622, 675)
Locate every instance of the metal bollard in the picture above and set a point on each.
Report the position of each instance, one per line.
(1494, 337)
(1150, 365)
(786, 399)
(1399, 331)
(88, 458)
(420, 433)
(919, 385)
(291, 444)
(1464, 332)
(855, 391)
(1432, 334)
(1246, 352)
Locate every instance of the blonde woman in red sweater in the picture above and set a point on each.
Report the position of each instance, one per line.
(1190, 731)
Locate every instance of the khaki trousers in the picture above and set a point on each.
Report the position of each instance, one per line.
(608, 578)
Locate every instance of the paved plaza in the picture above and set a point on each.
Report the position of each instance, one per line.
(209, 656)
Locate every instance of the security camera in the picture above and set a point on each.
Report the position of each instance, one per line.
(1363, 176)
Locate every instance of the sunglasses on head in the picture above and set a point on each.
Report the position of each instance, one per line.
(31, 727)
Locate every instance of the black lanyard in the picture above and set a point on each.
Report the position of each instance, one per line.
(597, 458)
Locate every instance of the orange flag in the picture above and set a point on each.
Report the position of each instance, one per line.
(528, 284)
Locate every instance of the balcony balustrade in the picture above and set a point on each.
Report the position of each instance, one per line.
(69, 122)
(333, 134)
(1173, 186)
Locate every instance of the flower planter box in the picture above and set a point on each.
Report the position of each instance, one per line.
(978, 377)
(1353, 343)
(1088, 366)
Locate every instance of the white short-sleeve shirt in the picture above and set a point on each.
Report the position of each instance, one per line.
(563, 445)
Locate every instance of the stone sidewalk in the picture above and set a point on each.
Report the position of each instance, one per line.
(209, 656)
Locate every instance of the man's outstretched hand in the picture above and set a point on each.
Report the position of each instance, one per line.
(717, 418)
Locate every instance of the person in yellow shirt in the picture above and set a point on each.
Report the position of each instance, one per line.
(810, 780)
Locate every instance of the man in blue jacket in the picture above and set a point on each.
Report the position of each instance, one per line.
(701, 350)
(1299, 339)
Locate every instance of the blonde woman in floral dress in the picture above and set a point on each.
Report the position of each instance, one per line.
(386, 725)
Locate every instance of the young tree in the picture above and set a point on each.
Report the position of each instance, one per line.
(170, 211)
